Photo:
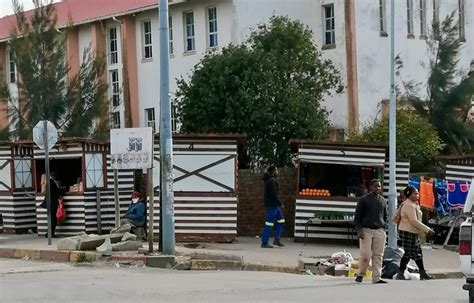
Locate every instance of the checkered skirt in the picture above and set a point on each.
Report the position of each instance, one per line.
(411, 245)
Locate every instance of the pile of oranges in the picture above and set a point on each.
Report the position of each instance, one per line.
(315, 192)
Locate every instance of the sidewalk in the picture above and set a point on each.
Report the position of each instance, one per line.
(439, 262)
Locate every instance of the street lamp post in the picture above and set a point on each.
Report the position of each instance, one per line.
(392, 191)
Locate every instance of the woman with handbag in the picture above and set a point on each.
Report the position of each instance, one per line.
(409, 230)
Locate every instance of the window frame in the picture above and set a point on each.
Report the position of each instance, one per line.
(210, 24)
(332, 30)
(423, 33)
(12, 79)
(99, 156)
(114, 88)
(148, 56)
(462, 20)
(174, 119)
(26, 182)
(170, 35)
(115, 116)
(410, 27)
(112, 42)
(148, 121)
(383, 18)
(189, 38)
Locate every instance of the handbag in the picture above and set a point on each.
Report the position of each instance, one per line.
(397, 217)
(61, 212)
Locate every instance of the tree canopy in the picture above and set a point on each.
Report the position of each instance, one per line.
(269, 88)
(45, 92)
(449, 88)
(417, 140)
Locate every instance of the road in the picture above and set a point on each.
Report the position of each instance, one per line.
(27, 281)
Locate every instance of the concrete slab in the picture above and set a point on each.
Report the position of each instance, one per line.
(161, 261)
(92, 242)
(127, 246)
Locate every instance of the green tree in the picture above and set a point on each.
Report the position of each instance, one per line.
(417, 140)
(74, 105)
(269, 88)
(449, 89)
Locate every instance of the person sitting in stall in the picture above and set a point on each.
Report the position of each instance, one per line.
(135, 216)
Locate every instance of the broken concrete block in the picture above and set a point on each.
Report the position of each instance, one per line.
(71, 243)
(105, 249)
(92, 242)
(129, 237)
(161, 261)
(127, 245)
(121, 229)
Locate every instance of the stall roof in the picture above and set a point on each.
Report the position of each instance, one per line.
(296, 143)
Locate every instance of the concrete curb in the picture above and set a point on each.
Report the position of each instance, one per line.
(197, 261)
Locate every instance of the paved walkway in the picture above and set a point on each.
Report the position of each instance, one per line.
(437, 259)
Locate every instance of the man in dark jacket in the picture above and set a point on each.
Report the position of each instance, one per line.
(370, 220)
(274, 215)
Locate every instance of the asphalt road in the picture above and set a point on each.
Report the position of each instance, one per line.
(27, 281)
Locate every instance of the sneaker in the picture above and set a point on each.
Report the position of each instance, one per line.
(400, 276)
(381, 282)
(278, 243)
(359, 278)
(266, 245)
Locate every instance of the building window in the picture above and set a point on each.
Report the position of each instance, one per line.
(113, 45)
(189, 34)
(150, 118)
(422, 18)
(212, 26)
(329, 25)
(383, 16)
(147, 44)
(174, 119)
(11, 67)
(115, 87)
(171, 44)
(116, 120)
(462, 30)
(410, 18)
(435, 11)
(94, 170)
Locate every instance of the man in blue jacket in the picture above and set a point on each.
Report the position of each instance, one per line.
(273, 206)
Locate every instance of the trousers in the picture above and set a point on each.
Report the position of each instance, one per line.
(371, 249)
(273, 219)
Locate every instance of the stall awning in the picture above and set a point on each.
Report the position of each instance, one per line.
(355, 156)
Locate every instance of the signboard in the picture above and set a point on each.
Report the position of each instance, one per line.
(38, 137)
(131, 148)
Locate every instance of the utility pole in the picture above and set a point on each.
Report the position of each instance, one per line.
(392, 190)
(48, 185)
(166, 140)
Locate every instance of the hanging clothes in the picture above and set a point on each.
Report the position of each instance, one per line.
(414, 182)
(441, 197)
(426, 194)
(457, 193)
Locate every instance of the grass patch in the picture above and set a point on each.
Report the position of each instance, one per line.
(82, 258)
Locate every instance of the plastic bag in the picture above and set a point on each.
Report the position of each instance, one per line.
(61, 212)
(342, 257)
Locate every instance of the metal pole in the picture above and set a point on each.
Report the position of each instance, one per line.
(48, 188)
(392, 192)
(116, 199)
(166, 140)
(150, 208)
(99, 212)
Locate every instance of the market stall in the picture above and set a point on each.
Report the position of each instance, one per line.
(81, 168)
(205, 186)
(331, 178)
(17, 196)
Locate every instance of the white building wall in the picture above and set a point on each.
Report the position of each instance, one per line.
(373, 50)
(181, 62)
(84, 37)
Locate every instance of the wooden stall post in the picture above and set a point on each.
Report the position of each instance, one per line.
(151, 209)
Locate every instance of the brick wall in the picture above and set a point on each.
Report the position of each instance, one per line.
(250, 210)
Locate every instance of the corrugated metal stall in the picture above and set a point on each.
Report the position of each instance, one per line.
(205, 187)
(458, 168)
(17, 196)
(82, 166)
(331, 177)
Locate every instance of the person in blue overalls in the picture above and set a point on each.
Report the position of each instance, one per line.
(273, 206)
